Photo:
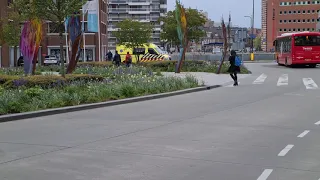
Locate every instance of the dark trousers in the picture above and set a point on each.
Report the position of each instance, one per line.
(117, 63)
(234, 76)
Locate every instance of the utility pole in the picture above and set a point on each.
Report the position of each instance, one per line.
(252, 26)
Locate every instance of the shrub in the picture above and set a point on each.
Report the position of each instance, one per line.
(50, 81)
(96, 64)
(37, 98)
(6, 78)
(191, 66)
(84, 77)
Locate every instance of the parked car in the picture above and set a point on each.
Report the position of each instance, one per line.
(51, 60)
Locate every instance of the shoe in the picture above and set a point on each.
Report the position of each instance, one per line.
(237, 83)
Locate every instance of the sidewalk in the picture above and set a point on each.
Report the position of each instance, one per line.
(209, 79)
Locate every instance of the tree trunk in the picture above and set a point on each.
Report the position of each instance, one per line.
(34, 61)
(15, 56)
(181, 60)
(61, 54)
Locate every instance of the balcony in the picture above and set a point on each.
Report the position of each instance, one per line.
(138, 11)
(139, 2)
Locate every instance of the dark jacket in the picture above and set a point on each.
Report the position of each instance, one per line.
(232, 59)
(110, 55)
(117, 58)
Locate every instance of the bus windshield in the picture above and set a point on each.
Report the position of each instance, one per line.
(307, 40)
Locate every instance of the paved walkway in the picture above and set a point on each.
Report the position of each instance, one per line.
(209, 79)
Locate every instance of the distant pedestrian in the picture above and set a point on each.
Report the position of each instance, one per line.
(235, 63)
(128, 60)
(109, 56)
(117, 59)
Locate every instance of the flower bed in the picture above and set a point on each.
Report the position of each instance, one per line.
(191, 66)
(88, 84)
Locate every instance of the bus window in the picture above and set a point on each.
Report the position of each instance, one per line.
(307, 40)
(152, 51)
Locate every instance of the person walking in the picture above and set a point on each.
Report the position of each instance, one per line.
(117, 59)
(128, 60)
(109, 55)
(234, 69)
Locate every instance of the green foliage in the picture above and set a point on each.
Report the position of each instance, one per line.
(37, 98)
(46, 81)
(191, 66)
(133, 34)
(257, 43)
(195, 21)
(11, 28)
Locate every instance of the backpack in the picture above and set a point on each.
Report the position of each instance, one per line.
(238, 61)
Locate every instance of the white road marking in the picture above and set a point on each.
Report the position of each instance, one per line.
(317, 123)
(304, 133)
(283, 80)
(309, 83)
(286, 150)
(260, 79)
(265, 174)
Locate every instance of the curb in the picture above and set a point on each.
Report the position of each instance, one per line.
(48, 112)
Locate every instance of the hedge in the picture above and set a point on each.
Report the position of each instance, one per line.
(46, 81)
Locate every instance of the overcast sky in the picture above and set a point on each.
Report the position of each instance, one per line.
(217, 8)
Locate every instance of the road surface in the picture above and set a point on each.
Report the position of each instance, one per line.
(268, 128)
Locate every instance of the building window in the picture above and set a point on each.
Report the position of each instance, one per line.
(313, 20)
(308, 29)
(303, 12)
(298, 20)
(312, 29)
(280, 21)
(284, 12)
(280, 12)
(289, 30)
(280, 30)
(299, 12)
(294, 12)
(284, 30)
(285, 21)
(294, 29)
(289, 12)
(308, 11)
(313, 11)
(308, 20)
(303, 29)
(294, 20)
(298, 29)
(289, 20)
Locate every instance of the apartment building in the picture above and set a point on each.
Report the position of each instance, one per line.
(283, 16)
(95, 42)
(148, 11)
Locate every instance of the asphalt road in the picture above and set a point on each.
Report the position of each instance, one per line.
(264, 129)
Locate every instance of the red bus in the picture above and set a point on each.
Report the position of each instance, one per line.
(301, 48)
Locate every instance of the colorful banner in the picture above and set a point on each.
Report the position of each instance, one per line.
(92, 9)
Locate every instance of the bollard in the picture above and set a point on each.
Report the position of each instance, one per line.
(252, 56)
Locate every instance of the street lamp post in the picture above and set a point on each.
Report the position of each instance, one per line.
(251, 35)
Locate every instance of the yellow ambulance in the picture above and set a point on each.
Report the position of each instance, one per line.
(147, 53)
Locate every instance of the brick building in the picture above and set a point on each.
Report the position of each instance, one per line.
(50, 40)
(283, 16)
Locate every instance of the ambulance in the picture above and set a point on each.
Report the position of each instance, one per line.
(147, 53)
